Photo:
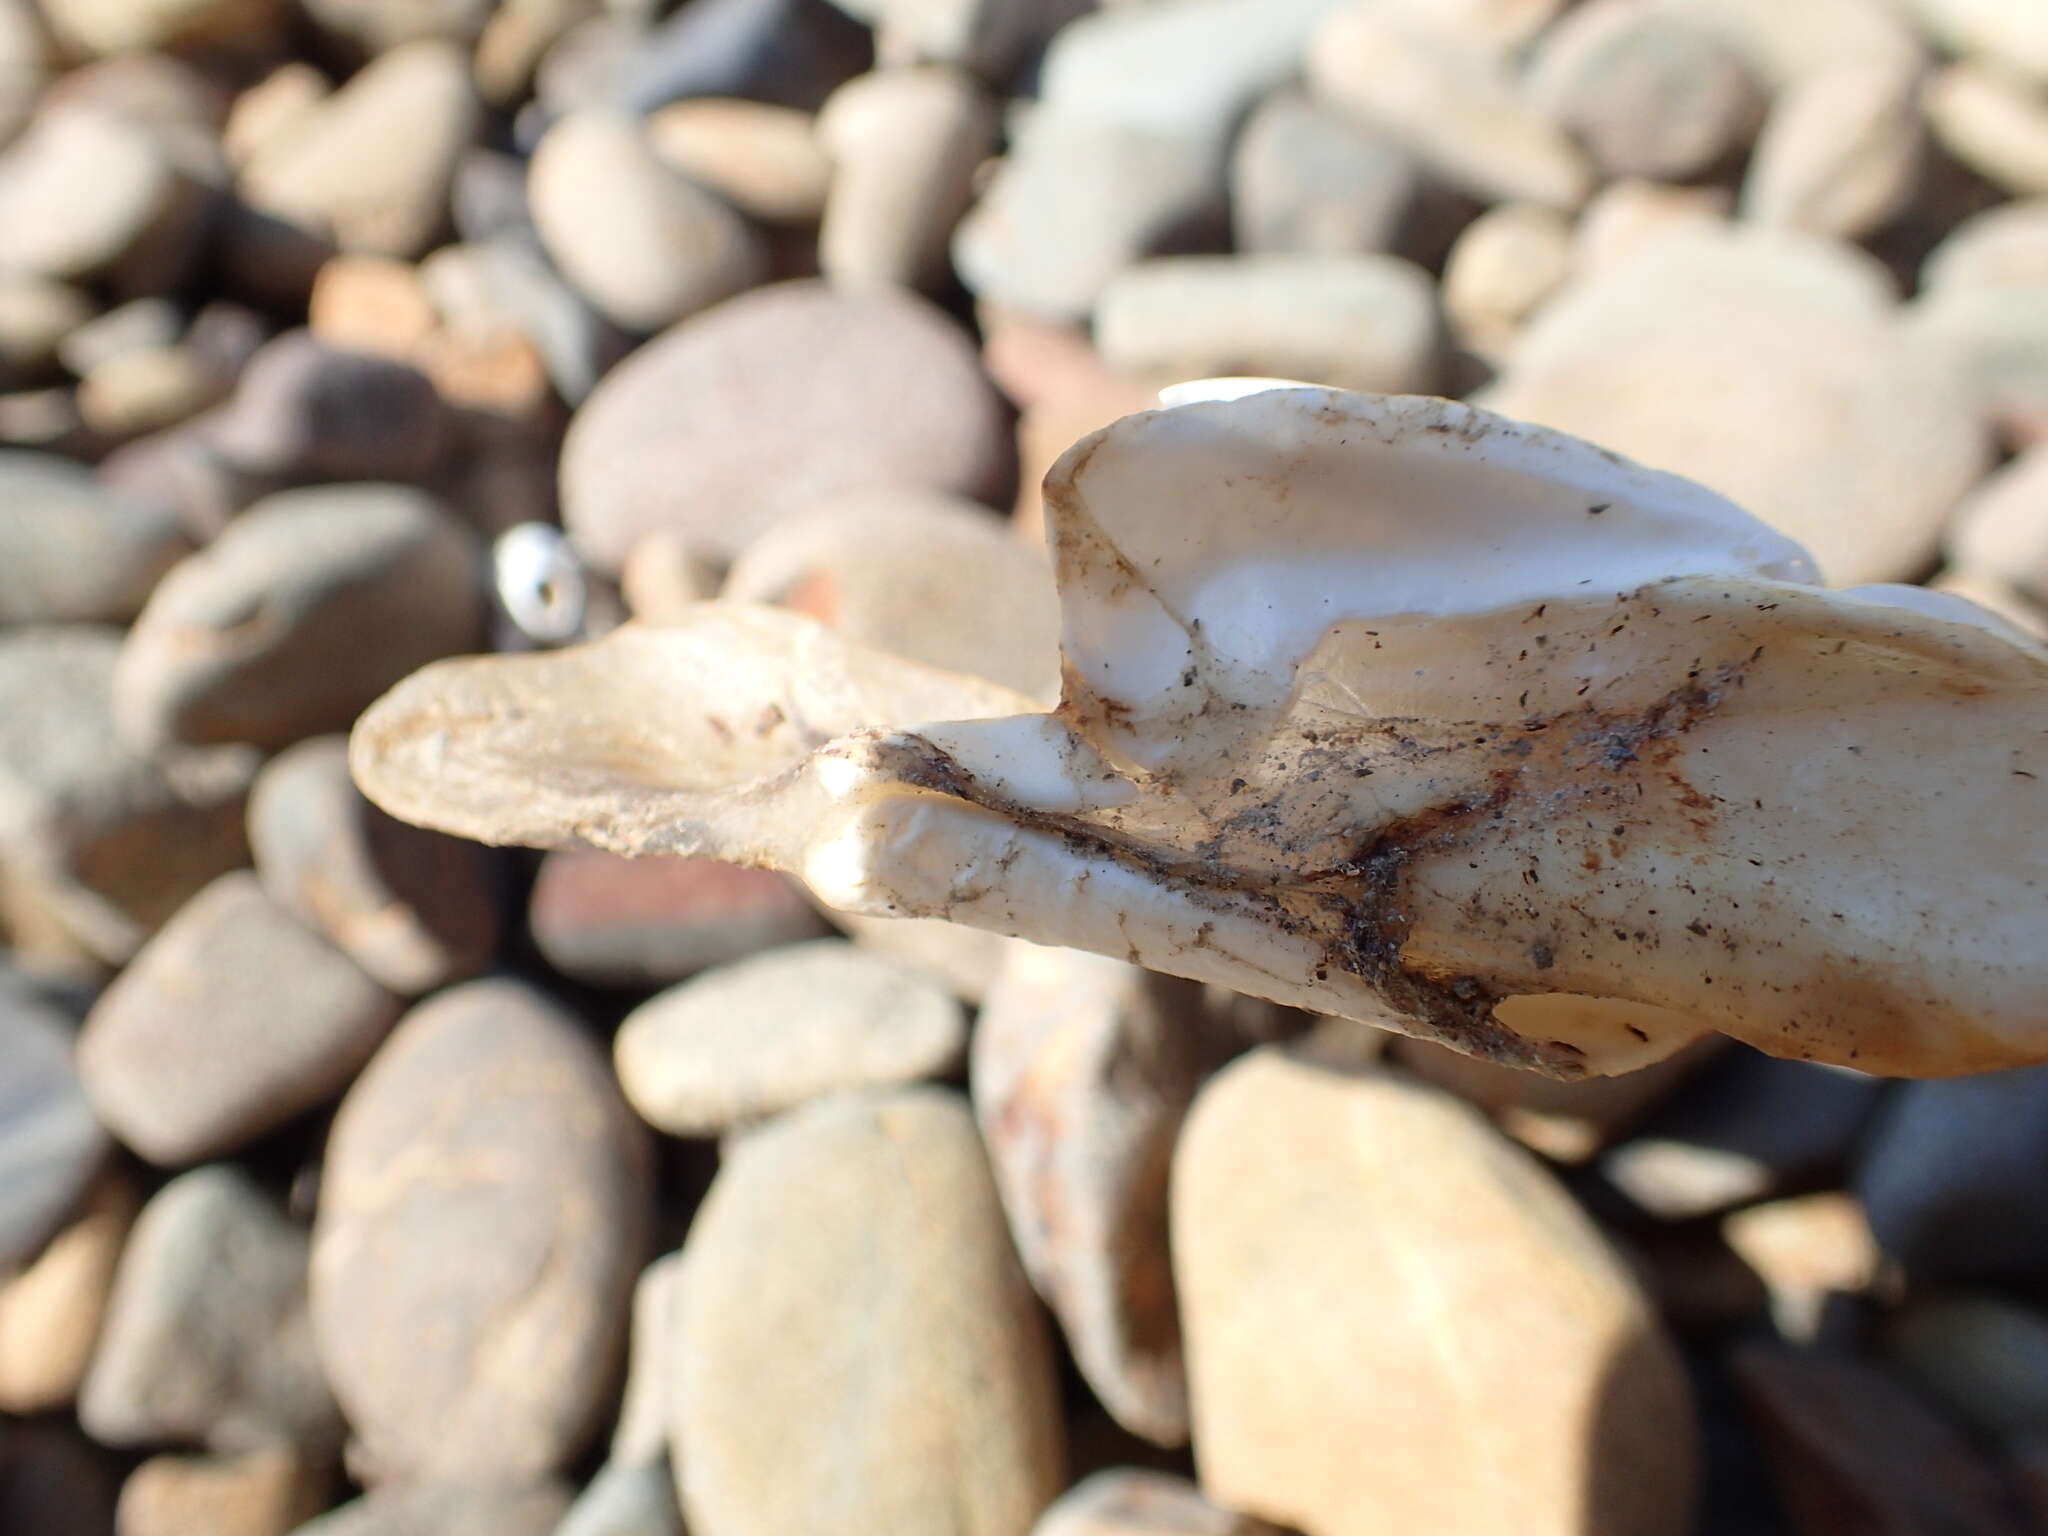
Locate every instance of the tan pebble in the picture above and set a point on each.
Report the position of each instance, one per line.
(273, 107)
(765, 159)
(147, 390)
(263, 1492)
(50, 1308)
(1992, 122)
(371, 304)
(498, 370)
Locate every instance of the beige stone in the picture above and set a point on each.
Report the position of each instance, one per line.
(1505, 264)
(1993, 123)
(1397, 1322)
(371, 304)
(766, 160)
(274, 106)
(1840, 155)
(857, 1348)
(263, 1492)
(51, 1307)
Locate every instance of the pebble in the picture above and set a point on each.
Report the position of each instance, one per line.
(791, 53)
(515, 40)
(2001, 528)
(643, 244)
(857, 1346)
(1385, 1302)
(640, 1437)
(37, 314)
(626, 1501)
(268, 1491)
(765, 160)
(1368, 321)
(1981, 1357)
(358, 586)
(370, 166)
(1505, 264)
(371, 304)
(89, 195)
(837, 392)
(989, 37)
(663, 579)
(74, 550)
(1783, 44)
(206, 1340)
(780, 1029)
(1997, 334)
(105, 841)
(1644, 91)
(273, 107)
(1452, 106)
(447, 1509)
(489, 1122)
(146, 391)
(1841, 154)
(916, 573)
(109, 27)
(52, 1305)
(1306, 180)
(1125, 1502)
(1185, 72)
(1949, 1175)
(377, 26)
(508, 280)
(2025, 613)
(303, 410)
(1994, 124)
(1845, 435)
(1741, 1130)
(1806, 1249)
(416, 910)
(138, 325)
(905, 145)
(1624, 215)
(610, 921)
(1854, 1451)
(2004, 244)
(233, 1019)
(1075, 201)
(1083, 1069)
(50, 1144)
(2011, 32)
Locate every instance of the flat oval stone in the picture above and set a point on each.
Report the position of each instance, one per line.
(777, 1030)
(206, 1339)
(71, 549)
(355, 587)
(931, 577)
(370, 166)
(488, 1126)
(413, 908)
(1083, 1068)
(644, 244)
(50, 1142)
(772, 401)
(234, 1018)
(1387, 1303)
(1843, 433)
(856, 1347)
(1367, 321)
(106, 840)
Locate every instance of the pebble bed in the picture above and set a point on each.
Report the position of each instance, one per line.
(357, 1181)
